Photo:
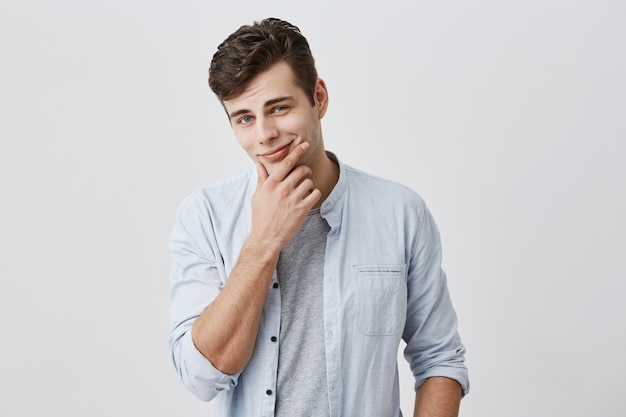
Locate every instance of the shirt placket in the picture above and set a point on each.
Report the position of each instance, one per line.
(331, 330)
(269, 333)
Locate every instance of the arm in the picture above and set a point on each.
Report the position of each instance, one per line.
(225, 333)
(434, 348)
(438, 397)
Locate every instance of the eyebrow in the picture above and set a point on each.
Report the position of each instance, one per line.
(268, 103)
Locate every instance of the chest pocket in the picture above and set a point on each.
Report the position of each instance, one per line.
(381, 298)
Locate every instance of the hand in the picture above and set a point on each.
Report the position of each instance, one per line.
(282, 200)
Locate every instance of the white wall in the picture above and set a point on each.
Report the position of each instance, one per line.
(507, 116)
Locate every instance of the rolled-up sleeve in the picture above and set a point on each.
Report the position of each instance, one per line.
(434, 347)
(195, 282)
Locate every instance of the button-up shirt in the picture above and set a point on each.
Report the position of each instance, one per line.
(382, 281)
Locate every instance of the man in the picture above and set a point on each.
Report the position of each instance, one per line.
(293, 284)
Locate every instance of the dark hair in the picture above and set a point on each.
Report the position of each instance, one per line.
(253, 49)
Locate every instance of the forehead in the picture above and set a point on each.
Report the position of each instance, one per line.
(278, 81)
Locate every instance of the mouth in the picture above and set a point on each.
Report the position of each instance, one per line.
(278, 153)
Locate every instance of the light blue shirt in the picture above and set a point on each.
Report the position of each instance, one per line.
(382, 282)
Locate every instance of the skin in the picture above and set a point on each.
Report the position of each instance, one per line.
(270, 114)
(225, 333)
(275, 124)
(438, 397)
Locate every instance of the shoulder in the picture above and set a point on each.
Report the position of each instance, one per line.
(369, 186)
(222, 194)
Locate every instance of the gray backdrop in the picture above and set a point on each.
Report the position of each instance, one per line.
(506, 116)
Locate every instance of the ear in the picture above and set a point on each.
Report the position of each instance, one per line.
(321, 97)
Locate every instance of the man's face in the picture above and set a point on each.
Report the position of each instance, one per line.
(272, 116)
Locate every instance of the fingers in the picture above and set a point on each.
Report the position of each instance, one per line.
(307, 192)
(292, 179)
(283, 197)
(296, 176)
(287, 164)
(288, 183)
(313, 198)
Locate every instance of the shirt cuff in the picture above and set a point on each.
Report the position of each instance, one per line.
(458, 374)
(203, 379)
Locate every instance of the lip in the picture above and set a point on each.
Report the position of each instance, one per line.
(277, 154)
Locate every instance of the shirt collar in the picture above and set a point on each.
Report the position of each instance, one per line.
(332, 207)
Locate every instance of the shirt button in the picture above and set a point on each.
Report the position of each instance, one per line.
(268, 392)
(273, 339)
(275, 285)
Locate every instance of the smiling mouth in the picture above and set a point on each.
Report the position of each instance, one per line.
(277, 154)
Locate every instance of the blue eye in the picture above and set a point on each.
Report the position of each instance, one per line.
(278, 109)
(246, 119)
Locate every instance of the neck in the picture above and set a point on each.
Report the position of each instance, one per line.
(325, 176)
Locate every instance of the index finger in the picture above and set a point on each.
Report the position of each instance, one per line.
(287, 164)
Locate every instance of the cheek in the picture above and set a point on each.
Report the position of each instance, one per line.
(301, 126)
(288, 125)
(244, 140)
(300, 119)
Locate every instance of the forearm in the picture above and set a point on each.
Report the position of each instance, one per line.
(438, 397)
(225, 333)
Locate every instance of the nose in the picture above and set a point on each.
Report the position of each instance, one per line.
(266, 130)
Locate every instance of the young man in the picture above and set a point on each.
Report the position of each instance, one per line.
(293, 283)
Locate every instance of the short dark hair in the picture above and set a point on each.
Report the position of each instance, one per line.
(253, 49)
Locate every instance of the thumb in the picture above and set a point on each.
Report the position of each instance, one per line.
(261, 172)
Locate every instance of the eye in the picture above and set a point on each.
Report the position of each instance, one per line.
(279, 109)
(245, 120)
